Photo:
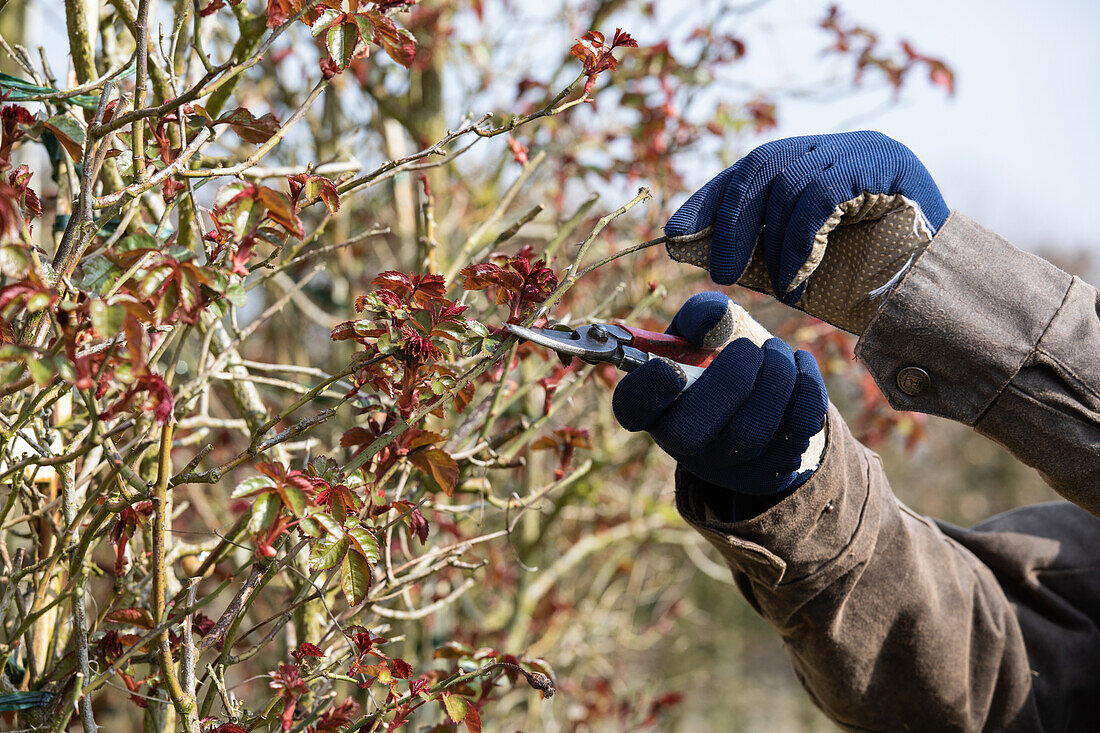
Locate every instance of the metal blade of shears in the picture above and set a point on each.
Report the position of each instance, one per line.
(568, 343)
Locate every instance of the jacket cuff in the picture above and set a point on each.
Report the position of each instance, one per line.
(961, 323)
(815, 532)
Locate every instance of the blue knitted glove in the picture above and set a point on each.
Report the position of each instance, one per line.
(746, 422)
(825, 222)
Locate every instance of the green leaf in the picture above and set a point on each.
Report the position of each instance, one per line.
(355, 577)
(385, 344)
(167, 304)
(309, 526)
(236, 295)
(11, 373)
(216, 280)
(364, 543)
(294, 498)
(125, 162)
(477, 328)
(316, 523)
(20, 89)
(319, 187)
(252, 486)
(326, 552)
(69, 133)
(137, 240)
(456, 707)
(423, 319)
(385, 676)
(94, 271)
(341, 41)
(152, 282)
(264, 511)
(324, 20)
(14, 261)
(449, 328)
(37, 302)
(41, 370)
(107, 319)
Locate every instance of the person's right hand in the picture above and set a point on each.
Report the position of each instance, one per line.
(746, 422)
(823, 222)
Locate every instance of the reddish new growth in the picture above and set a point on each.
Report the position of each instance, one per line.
(15, 193)
(348, 30)
(288, 682)
(519, 150)
(596, 54)
(409, 319)
(864, 45)
(519, 282)
(564, 441)
(84, 321)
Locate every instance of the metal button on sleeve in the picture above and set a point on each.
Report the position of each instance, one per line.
(914, 381)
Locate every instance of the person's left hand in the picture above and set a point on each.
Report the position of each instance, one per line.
(746, 422)
(822, 222)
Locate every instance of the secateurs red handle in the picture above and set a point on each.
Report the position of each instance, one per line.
(671, 347)
(624, 346)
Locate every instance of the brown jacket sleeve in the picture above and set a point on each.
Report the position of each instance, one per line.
(890, 625)
(1011, 345)
(892, 621)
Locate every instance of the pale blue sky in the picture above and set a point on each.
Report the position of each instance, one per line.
(1017, 148)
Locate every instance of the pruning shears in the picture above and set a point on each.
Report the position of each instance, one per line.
(623, 346)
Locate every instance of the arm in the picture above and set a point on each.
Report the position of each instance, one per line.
(889, 624)
(1011, 345)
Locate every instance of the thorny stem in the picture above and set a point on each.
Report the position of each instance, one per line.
(498, 394)
(439, 148)
(176, 166)
(184, 704)
(72, 694)
(622, 253)
(188, 653)
(138, 131)
(257, 446)
(80, 618)
(233, 613)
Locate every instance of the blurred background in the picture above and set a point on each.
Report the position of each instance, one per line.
(997, 98)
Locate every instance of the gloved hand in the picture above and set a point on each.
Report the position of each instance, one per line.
(746, 422)
(826, 223)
